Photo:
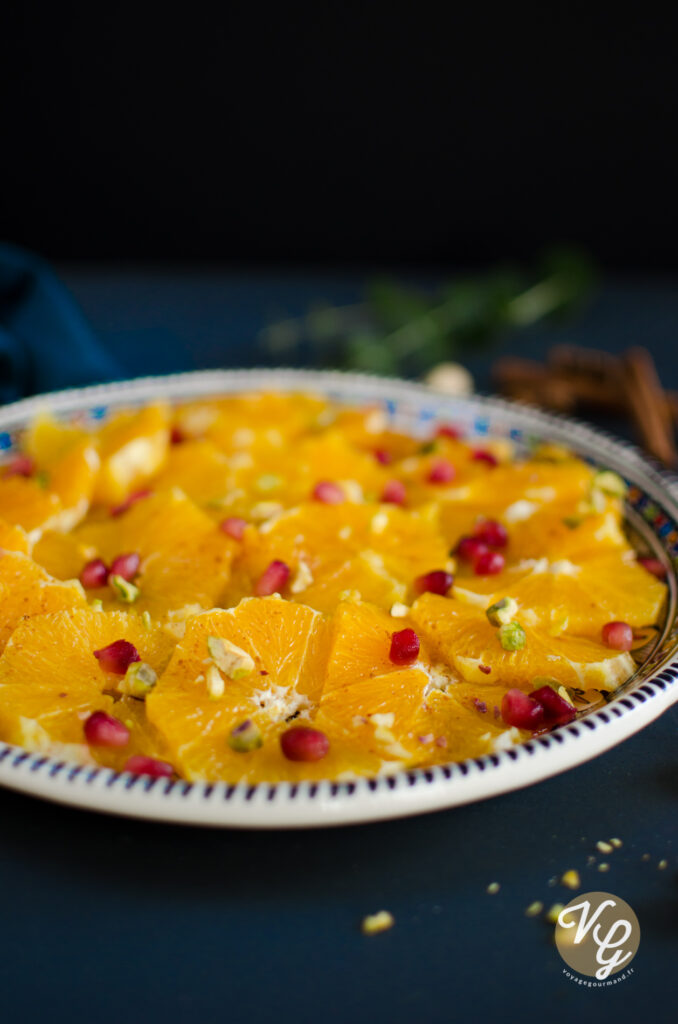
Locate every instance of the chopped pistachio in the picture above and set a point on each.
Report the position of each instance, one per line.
(268, 482)
(97, 605)
(534, 909)
(215, 682)
(245, 737)
(302, 579)
(501, 612)
(428, 448)
(604, 847)
(570, 879)
(553, 913)
(124, 590)
(379, 922)
(42, 479)
(610, 483)
(572, 522)
(493, 888)
(512, 636)
(232, 660)
(139, 680)
(146, 619)
(547, 451)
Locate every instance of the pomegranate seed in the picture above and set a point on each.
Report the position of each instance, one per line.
(329, 493)
(177, 436)
(394, 493)
(618, 635)
(234, 527)
(102, 730)
(404, 647)
(489, 563)
(557, 710)
(20, 465)
(482, 455)
(447, 430)
(492, 533)
(140, 764)
(469, 548)
(521, 710)
(436, 582)
(272, 579)
(94, 574)
(441, 472)
(304, 744)
(132, 499)
(654, 566)
(117, 657)
(382, 456)
(126, 566)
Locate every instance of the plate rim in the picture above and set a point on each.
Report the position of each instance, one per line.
(407, 791)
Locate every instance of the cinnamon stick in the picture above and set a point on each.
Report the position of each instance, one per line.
(647, 403)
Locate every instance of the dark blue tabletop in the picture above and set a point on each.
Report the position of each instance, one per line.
(113, 920)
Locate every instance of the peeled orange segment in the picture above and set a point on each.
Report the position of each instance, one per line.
(542, 483)
(581, 598)
(566, 533)
(462, 721)
(199, 469)
(49, 675)
(360, 644)
(24, 502)
(68, 457)
(133, 445)
(377, 712)
(463, 637)
(288, 645)
(368, 429)
(185, 558)
(239, 422)
(26, 589)
(13, 538)
(376, 551)
(62, 555)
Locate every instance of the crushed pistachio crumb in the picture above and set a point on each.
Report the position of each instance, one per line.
(302, 579)
(610, 483)
(139, 680)
(502, 612)
(534, 909)
(512, 636)
(97, 605)
(553, 913)
(570, 879)
(379, 922)
(493, 888)
(245, 737)
(214, 682)
(604, 847)
(146, 619)
(232, 660)
(124, 590)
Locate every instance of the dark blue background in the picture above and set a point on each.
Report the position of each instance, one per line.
(111, 920)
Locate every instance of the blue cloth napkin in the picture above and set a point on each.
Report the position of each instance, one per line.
(45, 342)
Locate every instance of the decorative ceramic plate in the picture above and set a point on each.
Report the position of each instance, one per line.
(652, 512)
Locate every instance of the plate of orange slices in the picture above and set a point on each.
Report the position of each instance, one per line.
(291, 598)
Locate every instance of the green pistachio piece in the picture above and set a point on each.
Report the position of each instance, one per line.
(146, 619)
(245, 736)
(124, 590)
(512, 636)
(139, 680)
(610, 483)
(268, 482)
(97, 605)
(232, 660)
(572, 522)
(501, 612)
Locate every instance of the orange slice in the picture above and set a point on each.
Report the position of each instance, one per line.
(287, 644)
(133, 445)
(26, 589)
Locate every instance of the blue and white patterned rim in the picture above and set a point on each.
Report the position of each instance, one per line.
(653, 512)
